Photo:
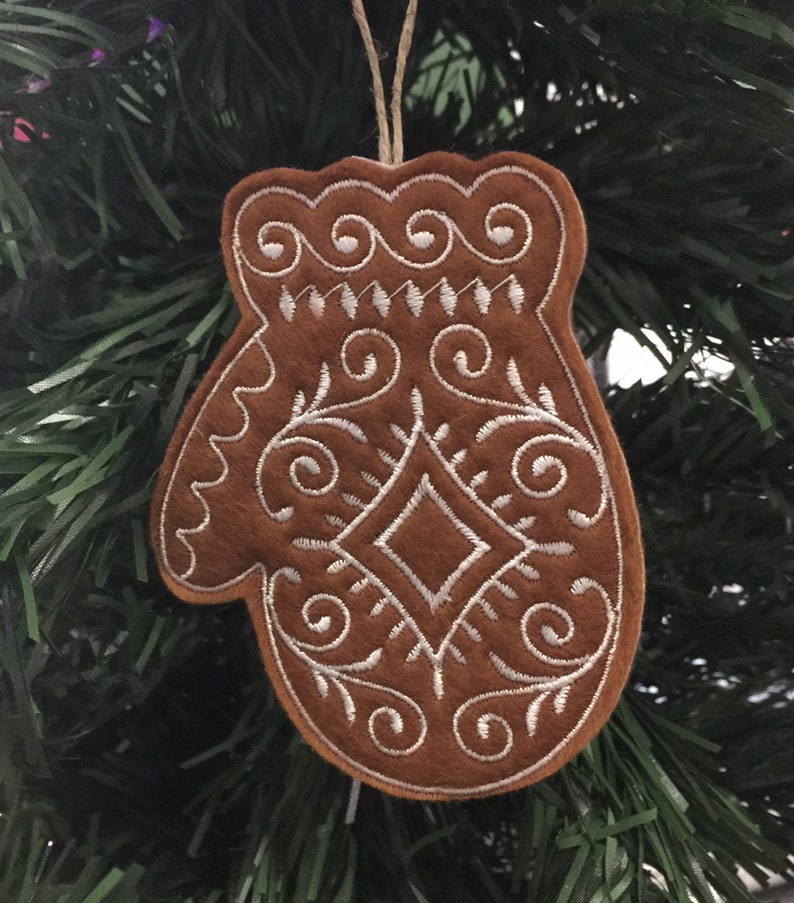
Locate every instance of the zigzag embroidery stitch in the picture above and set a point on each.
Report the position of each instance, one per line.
(414, 298)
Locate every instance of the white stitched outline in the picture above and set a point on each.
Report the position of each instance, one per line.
(197, 486)
(516, 298)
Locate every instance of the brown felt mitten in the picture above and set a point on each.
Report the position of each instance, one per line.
(402, 464)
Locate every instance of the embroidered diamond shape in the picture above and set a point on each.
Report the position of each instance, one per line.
(469, 548)
(428, 522)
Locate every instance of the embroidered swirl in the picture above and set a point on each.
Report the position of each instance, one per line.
(427, 236)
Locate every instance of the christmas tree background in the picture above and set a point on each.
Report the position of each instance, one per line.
(142, 754)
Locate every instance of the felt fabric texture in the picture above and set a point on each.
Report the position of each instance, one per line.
(402, 464)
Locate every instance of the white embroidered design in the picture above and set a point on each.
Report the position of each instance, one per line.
(408, 293)
(216, 443)
(417, 482)
(361, 247)
(523, 410)
(509, 547)
(317, 457)
(538, 688)
(344, 678)
(353, 235)
(426, 490)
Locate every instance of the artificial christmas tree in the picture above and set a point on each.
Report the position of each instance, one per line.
(142, 754)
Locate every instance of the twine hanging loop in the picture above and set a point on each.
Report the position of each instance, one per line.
(390, 137)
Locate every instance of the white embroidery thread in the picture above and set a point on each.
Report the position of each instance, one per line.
(348, 244)
(317, 458)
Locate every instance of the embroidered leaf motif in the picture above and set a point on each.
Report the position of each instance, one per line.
(298, 404)
(381, 300)
(515, 294)
(399, 433)
(447, 297)
(561, 699)
(458, 457)
(414, 299)
(348, 426)
(322, 683)
(516, 383)
(287, 305)
(527, 571)
(371, 480)
(347, 700)
(316, 302)
(482, 297)
(507, 591)
(533, 713)
(323, 386)
(348, 301)
(478, 479)
(547, 399)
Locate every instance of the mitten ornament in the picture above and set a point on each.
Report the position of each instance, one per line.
(402, 464)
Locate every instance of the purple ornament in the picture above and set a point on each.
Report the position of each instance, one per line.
(156, 28)
(36, 86)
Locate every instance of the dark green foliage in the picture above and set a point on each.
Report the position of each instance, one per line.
(142, 755)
